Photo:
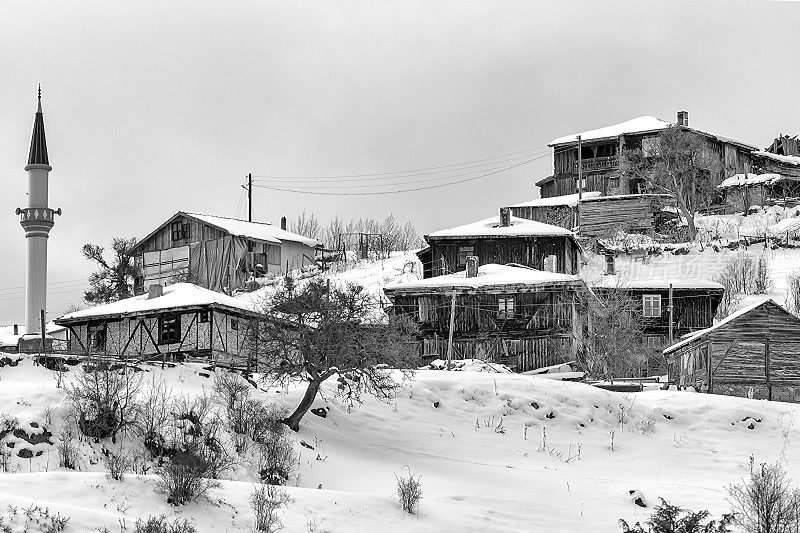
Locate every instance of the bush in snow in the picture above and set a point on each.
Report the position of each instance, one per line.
(117, 464)
(762, 277)
(409, 490)
(793, 293)
(160, 524)
(668, 518)
(766, 503)
(266, 501)
(105, 397)
(154, 414)
(277, 458)
(191, 471)
(67, 448)
(234, 392)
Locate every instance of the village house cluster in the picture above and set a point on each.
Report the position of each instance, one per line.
(506, 289)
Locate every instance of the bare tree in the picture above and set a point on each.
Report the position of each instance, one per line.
(320, 331)
(766, 503)
(679, 165)
(613, 345)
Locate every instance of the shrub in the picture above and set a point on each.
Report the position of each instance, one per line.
(409, 490)
(666, 518)
(117, 464)
(266, 501)
(277, 456)
(192, 470)
(762, 277)
(105, 397)
(231, 388)
(160, 524)
(793, 293)
(155, 412)
(67, 448)
(766, 503)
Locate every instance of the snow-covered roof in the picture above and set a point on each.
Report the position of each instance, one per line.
(790, 159)
(490, 275)
(490, 227)
(613, 282)
(255, 230)
(636, 125)
(730, 318)
(645, 124)
(570, 200)
(7, 337)
(178, 295)
(742, 180)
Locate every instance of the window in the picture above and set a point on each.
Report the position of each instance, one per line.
(551, 263)
(169, 329)
(203, 317)
(651, 305)
(505, 307)
(613, 183)
(234, 325)
(273, 254)
(463, 253)
(653, 341)
(97, 337)
(583, 181)
(180, 231)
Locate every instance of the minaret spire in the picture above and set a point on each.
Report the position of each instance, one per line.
(38, 152)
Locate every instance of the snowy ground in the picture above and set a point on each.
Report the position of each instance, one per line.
(475, 438)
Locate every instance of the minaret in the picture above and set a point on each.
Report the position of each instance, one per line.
(37, 219)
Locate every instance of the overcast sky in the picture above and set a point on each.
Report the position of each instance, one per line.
(155, 107)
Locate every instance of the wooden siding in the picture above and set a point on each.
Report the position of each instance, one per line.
(528, 251)
(758, 349)
(544, 330)
(635, 213)
(557, 215)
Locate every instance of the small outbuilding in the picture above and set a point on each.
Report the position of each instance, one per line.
(176, 322)
(754, 352)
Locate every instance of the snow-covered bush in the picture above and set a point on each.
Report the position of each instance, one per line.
(277, 458)
(762, 279)
(667, 518)
(793, 293)
(154, 414)
(767, 502)
(105, 397)
(266, 501)
(117, 464)
(67, 448)
(160, 524)
(191, 472)
(646, 425)
(409, 491)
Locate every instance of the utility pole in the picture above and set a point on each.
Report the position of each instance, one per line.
(671, 314)
(452, 325)
(250, 197)
(580, 181)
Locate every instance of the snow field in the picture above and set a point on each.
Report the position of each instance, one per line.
(475, 438)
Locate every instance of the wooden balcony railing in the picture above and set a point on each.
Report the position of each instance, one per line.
(598, 163)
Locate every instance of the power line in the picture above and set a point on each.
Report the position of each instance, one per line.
(405, 171)
(413, 189)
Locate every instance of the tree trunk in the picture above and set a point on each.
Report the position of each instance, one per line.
(293, 421)
(687, 213)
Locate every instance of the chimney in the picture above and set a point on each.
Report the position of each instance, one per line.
(283, 223)
(609, 264)
(472, 266)
(505, 216)
(683, 118)
(154, 291)
(16, 329)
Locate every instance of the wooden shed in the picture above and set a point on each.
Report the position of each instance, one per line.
(518, 316)
(218, 253)
(754, 352)
(180, 321)
(502, 240)
(630, 213)
(558, 210)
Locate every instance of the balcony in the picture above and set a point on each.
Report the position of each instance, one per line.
(598, 163)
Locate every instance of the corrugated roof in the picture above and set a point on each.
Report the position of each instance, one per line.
(255, 230)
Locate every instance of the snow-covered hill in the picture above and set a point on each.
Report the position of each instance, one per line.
(475, 439)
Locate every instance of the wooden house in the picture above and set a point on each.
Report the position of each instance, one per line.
(502, 241)
(754, 352)
(694, 305)
(218, 253)
(177, 321)
(601, 150)
(518, 316)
